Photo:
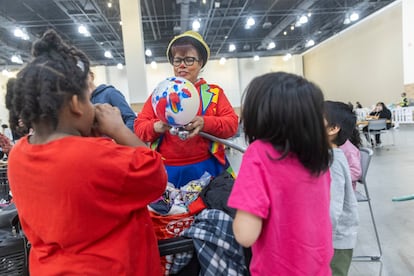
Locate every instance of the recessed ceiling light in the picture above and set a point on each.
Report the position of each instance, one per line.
(108, 54)
(303, 19)
(196, 25)
(249, 23)
(271, 45)
(310, 43)
(16, 59)
(287, 57)
(354, 16)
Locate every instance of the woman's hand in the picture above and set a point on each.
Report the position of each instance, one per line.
(195, 126)
(161, 127)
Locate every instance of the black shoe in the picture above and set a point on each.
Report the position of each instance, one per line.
(372, 143)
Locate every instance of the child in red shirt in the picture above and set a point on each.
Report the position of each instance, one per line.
(82, 200)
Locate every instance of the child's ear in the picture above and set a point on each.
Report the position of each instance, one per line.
(333, 130)
(75, 105)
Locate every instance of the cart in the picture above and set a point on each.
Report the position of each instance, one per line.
(179, 245)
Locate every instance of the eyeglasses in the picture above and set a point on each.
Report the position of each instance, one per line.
(188, 61)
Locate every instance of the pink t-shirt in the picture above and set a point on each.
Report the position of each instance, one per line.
(296, 237)
(353, 156)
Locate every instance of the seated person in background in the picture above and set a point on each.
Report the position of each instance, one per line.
(404, 100)
(109, 94)
(343, 208)
(358, 105)
(380, 112)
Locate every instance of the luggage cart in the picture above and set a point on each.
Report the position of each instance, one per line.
(177, 245)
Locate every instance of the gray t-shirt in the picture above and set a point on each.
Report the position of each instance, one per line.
(344, 206)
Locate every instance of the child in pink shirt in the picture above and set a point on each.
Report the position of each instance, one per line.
(353, 157)
(282, 191)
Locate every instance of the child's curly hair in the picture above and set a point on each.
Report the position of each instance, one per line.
(56, 73)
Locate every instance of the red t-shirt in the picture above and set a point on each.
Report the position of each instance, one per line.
(82, 203)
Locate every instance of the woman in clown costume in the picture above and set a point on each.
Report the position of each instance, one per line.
(188, 159)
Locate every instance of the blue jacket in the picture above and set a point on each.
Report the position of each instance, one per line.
(109, 94)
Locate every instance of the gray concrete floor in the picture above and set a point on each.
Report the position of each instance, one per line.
(391, 173)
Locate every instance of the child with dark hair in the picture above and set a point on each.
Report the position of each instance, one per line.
(82, 200)
(344, 213)
(282, 190)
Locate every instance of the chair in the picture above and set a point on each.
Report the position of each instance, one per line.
(378, 127)
(366, 155)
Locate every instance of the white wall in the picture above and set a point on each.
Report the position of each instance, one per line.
(364, 63)
(408, 41)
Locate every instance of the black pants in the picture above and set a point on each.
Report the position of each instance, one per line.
(377, 136)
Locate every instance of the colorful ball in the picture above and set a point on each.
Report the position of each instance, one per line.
(175, 101)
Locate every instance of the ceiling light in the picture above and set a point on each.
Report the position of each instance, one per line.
(249, 23)
(354, 16)
(309, 14)
(148, 52)
(222, 61)
(310, 43)
(204, 1)
(153, 65)
(271, 45)
(16, 59)
(303, 19)
(20, 33)
(196, 25)
(256, 58)
(120, 23)
(284, 33)
(287, 57)
(292, 27)
(109, 4)
(83, 30)
(108, 54)
(232, 47)
(120, 66)
(217, 4)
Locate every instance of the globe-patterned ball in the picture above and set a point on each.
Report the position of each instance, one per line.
(175, 101)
